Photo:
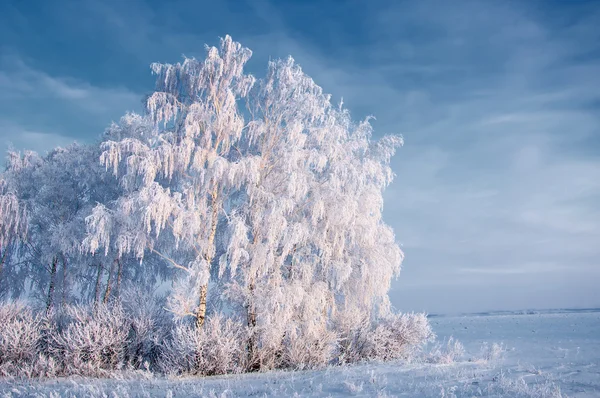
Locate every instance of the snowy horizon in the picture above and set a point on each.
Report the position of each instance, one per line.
(496, 190)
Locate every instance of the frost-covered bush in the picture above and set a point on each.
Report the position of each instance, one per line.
(293, 347)
(22, 349)
(82, 340)
(308, 349)
(19, 336)
(491, 352)
(149, 328)
(353, 336)
(218, 348)
(398, 336)
(447, 352)
(265, 347)
(92, 342)
(394, 337)
(103, 339)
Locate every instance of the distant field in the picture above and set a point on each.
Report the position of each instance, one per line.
(546, 354)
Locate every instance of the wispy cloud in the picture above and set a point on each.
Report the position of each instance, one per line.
(36, 106)
(535, 268)
(19, 81)
(16, 137)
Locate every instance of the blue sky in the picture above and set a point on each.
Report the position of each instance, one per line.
(497, 197)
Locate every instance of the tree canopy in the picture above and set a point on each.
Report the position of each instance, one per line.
(253, 198)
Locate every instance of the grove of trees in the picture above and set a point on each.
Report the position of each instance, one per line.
(235, 226)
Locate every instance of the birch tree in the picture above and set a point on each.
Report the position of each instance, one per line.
(115, 236)
(177, 182)
(13, 227)
(57, 192)
(309, 238)
(283, 208)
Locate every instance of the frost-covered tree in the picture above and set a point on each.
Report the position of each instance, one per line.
(56, 192)
(309, 240)
(278, 203)
(113, 225)
(177, 181)
(13, 226)
(15, 212)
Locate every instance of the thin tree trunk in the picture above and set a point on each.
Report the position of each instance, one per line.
(97, 288)
(64, 281)
(201, 314)
(109, 283)
(253, 363)
(202, 306)
(251, 309)
(119, 277)
(2, 260)
(50, 298)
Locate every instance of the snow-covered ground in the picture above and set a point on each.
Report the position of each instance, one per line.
(548, 354)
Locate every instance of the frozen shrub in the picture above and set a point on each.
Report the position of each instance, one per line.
(353, 388)
(519, 388)
(265, 347)
(149, 327)
(81, 340)
(42, 366)
(96, 341)
(19, 336)
(223, 346)
(22, 335)
(180, 351)
(310, 349)
(412, 329)
(353, 336)
(446, 353)
(290, 346)
(398, 336)
(491, 352)
(92, 342)
(219, 348)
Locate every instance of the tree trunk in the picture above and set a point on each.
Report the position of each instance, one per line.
(50, 298)
(202, 306)
(201, 314)
(2, 260)
(251, 309)
(97, 288)
(108, 283)
(253, 363)
(64, 281)
(119, 277)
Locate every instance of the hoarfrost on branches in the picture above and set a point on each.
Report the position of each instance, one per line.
(259, 201)
(289, 200)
